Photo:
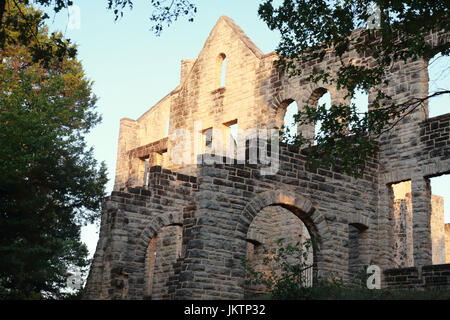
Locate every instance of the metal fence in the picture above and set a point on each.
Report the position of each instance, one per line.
(308, 275)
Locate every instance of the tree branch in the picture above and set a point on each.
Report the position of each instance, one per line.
(414, 103)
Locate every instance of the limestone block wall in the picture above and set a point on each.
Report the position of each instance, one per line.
(153, 124)
(254, 95)
(357, 260)
(131, 218)
(428, 156)
(127, 141)
(216, 222)
(140, 139)
(202, 103)
(218, 206)
(398, 161)
(164, 255)
(216, 209)
(229, 198)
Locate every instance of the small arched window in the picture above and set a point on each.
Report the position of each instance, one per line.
(222, 68)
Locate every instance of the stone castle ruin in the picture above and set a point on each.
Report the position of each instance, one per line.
(178, 227)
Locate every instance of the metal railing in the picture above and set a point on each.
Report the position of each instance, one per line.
(308, 275)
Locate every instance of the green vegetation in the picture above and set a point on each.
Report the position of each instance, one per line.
(335, 290)
(50, 183)
(284, 279)
(394, 32)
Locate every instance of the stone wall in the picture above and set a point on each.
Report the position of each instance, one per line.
(131, 218)
(216, 209)
(230, 196)
(429, 277)
(403, 233)
(218, 205)
(403, 227)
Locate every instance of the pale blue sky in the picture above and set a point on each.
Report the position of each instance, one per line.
(132, 69)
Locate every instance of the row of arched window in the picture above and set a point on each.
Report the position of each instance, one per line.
(438, 80)
(360, 100)
(436, 106)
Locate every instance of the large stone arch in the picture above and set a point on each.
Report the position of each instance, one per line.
(280, 111)
(300, 206)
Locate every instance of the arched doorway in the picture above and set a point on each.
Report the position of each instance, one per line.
(163, 251)
(299, 208)
(276, 236)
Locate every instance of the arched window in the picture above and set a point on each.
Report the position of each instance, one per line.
(290, 126)
(438, 80)
(324, 98)
(221, 68)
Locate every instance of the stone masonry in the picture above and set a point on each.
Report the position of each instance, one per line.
(178, 227)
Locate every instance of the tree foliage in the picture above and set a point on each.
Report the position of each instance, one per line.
(50, 183)
(394, 31)
(21, 28)
(165, 12)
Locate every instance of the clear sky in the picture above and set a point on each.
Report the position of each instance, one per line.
(132, 69)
